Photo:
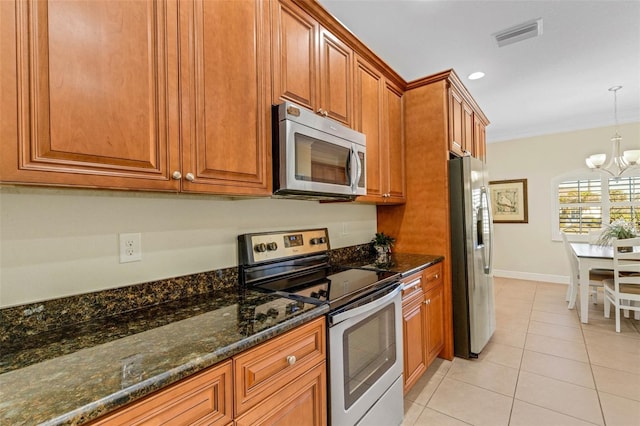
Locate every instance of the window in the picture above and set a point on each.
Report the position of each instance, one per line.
(586, 203)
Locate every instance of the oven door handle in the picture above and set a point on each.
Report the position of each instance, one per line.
(350, 313)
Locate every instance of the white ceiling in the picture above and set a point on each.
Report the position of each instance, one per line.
(553, 83)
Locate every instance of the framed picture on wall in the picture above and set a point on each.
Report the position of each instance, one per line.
(509, 201)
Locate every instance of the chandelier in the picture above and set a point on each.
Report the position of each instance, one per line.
(618, 163)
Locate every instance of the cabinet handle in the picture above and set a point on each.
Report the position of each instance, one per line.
(190, 177)
(413, 285)
(291, 359)
(176, 175)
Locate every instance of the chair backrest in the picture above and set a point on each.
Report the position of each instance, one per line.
(573, 261)
(626, 265)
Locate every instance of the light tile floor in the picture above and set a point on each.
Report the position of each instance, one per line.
(541, 367)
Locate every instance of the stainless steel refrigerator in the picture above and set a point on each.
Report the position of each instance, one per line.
(471, 256)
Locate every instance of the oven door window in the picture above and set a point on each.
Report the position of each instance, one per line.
(369, 351)
(321, 161)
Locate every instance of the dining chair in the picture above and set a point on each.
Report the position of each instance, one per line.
(596, 277)
(623, 291)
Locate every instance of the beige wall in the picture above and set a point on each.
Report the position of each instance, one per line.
(61, 242)
(527, 250)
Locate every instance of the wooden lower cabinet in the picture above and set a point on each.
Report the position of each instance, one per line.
(302, 402)
(202, 399)
(413, 331)
(434, 313)
(282, 381)
(423, 322)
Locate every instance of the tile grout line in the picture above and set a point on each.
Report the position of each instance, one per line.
(524, 344)
(593, 377)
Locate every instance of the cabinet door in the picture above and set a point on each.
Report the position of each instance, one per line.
(336, 73)
(369, 86)
(295, 46)
(413, 330)
(300, 403)
(225, 96)
(467, 124)
(434, 302)
(95, 85)
(479, 139)
(394, 138)
(456, 122)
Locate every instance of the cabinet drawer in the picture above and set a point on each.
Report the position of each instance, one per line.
(432, 275)
(205, 398)
(412, 286)
(265, 369)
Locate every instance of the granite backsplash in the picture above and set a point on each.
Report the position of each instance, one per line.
(26, 320)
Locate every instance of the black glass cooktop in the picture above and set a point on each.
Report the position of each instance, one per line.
(336, 289)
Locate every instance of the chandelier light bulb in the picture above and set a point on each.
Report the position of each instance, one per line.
(632, 156)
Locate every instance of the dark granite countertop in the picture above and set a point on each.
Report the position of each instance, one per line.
(75, 374)
(404, 263)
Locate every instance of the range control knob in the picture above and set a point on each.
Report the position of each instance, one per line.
(320, 240)
(262, 247)
(272, 246)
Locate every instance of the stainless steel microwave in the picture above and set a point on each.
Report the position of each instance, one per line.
(315, 157)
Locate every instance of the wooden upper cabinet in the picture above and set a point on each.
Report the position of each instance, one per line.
(479, 138)
(336, 62)
(393, 125)
(225, 96)
(295, 46)
(456, 123)
(466, 127)
(378, 114)
(369, 87)
(95, 88)
(311, 66)
(100, 103)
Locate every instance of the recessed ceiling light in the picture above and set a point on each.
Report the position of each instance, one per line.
(476, 75)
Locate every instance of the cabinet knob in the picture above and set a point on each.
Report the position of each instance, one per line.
(291, 359)
(427, 302)
(320, 111)
(190, 177)
(176, 175)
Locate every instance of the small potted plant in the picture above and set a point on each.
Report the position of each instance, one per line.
(382, 244)
(620, 229)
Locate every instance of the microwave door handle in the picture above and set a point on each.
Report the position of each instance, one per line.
(347, 168)
(359, 173)
(355, 172)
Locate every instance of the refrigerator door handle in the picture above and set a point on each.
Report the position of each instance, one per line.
(488, 242)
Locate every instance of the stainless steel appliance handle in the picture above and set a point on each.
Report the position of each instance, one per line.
(484, 205)
(337, 318)
(354, 185)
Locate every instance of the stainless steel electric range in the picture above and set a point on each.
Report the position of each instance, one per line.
(365, 318)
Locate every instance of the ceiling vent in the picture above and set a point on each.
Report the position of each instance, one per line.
(518, 33)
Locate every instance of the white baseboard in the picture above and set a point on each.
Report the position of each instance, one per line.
(530, 276)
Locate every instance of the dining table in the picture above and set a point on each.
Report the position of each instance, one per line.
(590, 256)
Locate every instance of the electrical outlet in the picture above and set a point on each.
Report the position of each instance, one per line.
(130, 248)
